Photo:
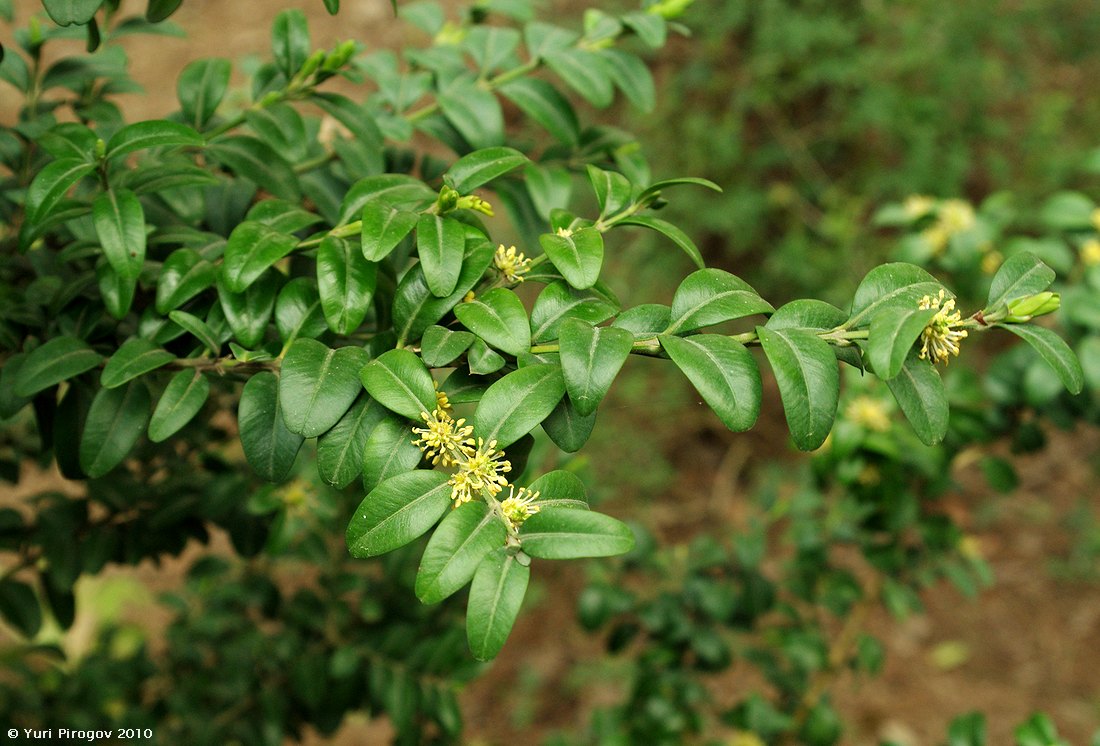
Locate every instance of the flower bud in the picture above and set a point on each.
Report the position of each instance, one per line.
(1030, 306)
(669, 9)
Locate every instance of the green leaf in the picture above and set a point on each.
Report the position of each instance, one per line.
(283, 216)
(474, 112)
(258, 162)
(398, 511)
(389, 451)
(10, 402)
(414, 306)
(632, 77)
(180, 402)
(544, 104)
(248, 313)
(333, 6)
(578, 256)
(252, 248)
(1022, 274)
(340, 451)
(441, 243)
(671, 232)
(585, 72)
(613, 190)
(383, 228)
(157, 133)
(499, 318)
(1067, 211)
(514, 405)
(568, 429)
(317, 385)
(591, 357)
(491, 46)
(482, 359)
(160, 10)
(134, 358)
(558, 301)
(71, 12)
(396, 190)
(269, 446)
(711, 296)
(346, 282)
(650, 27)
(892, 335)
(19, 607)
(1054, 350)
(566, 533)
(896, 284)
(496, 595)
(198, 328)
(482, 166)
(120, 223)
(51, 184)
(463, 539)
(724, 374)
(807, 314)
(290, 40)
(560, 489)
(117, 292)
(115, 422)
(298, 310)
(59, 359)
(401, 383)
(809, 382)
(183, 275)
(644, 321)
(441, 346)
(920, 392)
(200, 88)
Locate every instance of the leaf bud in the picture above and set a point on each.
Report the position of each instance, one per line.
(1028, 307)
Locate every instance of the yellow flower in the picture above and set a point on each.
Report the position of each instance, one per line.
(940, 339)
(918, 205)
(992, 261)
(444, 440)
(1090, 252)
(481, 470)
(869, 413)
(510, 264)
(956, 216)
(518, 507)
(442, 401)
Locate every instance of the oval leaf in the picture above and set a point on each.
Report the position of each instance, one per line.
(496, 595)
(711, 296)
(724, 374)
(346, 282)
(120, 223)
(389, 451)
(180, 402)
(115, 422)
(134, 358)
(519, 401)
(268, 445)
(892, 335)
(1055, 351)
(457, 547)
(441, 243)
(156, 133)
(809, 382)
(340, 451)
(317, 385)
(1021, 274)
(499, 318)
(564, 533)
(252, 248)
(400, 381)
(398, 511)
(578, 256)
(482, 166)
(591, 357)
(57, 360)
(383, 228)
(920, 392)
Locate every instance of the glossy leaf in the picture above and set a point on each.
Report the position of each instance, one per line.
(290, 40)
(115, 422)
(896, 284)
(711, 296)
(252, 248)
(134, 358)
(578, 256)
(183, 275)
(499, 318)
(565, 533)
(258, 162)
(383, 228)
(346, 282)
(809, 382)
(517, 403)
(120, 224)
(249, 313)
(1022, 274)
(723, 372)
(496, 595)
(441, 243)
(399, 380)
(463, 539)
(892, 334)
(157, 133)
(558, 302)
(180, 402)
(317, 385)
(441, 346)
(632, 77)
(51, 184)
(389, 451)
(340, 451)
(1054, 351)
(671, 232)
(591, 357)
(398, 511)
(415, 308)
(57, 360)
(482, 166)
(268, 445)
(920, 392)
(474, 112)
(160, 10)
(585, 72)
(298, 310)
(560, 489)
(71, 12)
(482, 359)
(567, 428)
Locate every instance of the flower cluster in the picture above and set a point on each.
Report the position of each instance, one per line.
(511, 265)
(519, 505)
(868, 412)
(482, 470)
(940, 338)
(444, 440)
